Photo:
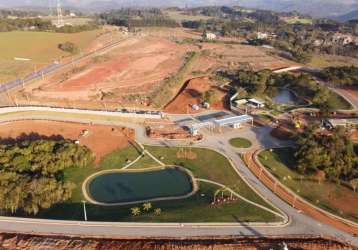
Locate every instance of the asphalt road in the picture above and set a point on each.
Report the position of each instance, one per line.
(300, 224)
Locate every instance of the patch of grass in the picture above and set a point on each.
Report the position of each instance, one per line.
(336, 102)
(40, 47)
(208, 165)
(330, 196)
(240, 143)
(324, 61)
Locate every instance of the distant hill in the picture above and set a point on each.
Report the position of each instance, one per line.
(353, 15)
(318, 8)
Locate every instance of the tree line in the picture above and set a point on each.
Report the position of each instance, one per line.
(132, 18)
(31, 173)
(38, 24)
(341, 76)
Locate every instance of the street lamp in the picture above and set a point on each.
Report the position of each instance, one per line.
(84, 209)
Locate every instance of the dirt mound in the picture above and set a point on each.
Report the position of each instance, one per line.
(191, 94)
(21, 241)
(101, 140)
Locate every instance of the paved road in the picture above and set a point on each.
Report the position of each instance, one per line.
(300, 223)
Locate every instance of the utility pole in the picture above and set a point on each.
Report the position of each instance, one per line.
(60, 22)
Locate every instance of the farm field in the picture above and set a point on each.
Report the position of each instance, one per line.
(196, 208)
(323, 61)
(330, 196)
(180, 16)
(138, 71)
(40, 47)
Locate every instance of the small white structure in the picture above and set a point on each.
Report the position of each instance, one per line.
(72, 14)
(194, 128)
(210, 36)
(255, 103)
(235, 121)
(240, 102)
(195, 107)
(262, 35)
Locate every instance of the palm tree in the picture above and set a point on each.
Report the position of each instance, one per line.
(135, 211)
(157, 211)
(147, 206)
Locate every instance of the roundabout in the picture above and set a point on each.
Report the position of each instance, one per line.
(124, 187)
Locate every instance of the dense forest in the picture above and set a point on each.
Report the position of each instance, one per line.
(331, 154)
(138, 18)
(31, 173)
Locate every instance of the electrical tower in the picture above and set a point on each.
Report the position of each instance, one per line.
(60, 22)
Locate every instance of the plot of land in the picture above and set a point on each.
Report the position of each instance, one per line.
(193, 94)
(330, 196)
(197, 208)
(100, 139)
(40, 47)
(140, 65)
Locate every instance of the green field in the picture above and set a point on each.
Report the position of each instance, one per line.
(240, 143)
(40, 47)
(197, 208)
(323, 61)
(297, 20)
(128, 186)
(330, 196)
(337, 102)
(180, 16)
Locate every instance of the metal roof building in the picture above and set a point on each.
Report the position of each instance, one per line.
(234, 120)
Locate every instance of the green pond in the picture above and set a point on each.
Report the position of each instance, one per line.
(121, 187)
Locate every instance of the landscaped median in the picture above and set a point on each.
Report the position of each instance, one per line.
(278, 177)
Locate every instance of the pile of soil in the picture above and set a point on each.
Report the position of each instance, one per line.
(22, 241)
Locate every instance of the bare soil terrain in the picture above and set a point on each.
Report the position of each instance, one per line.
(21, 241)
(102, 140)
(126, 75)
(192, 94)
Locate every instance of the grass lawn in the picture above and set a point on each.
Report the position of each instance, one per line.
(323, 61)
(333, 197)
(240, 143)
(40, 47)
(338, 102)
(180, 16)
(208, 165)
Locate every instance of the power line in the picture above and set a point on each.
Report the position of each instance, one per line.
(60, 22)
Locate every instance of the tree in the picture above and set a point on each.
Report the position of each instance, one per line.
(31, 173)
(135, 211)
(354, 184)
(69, 47)
(332, 154)
(147, 206)
(157, 211)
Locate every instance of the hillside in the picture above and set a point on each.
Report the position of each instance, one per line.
(319, 8)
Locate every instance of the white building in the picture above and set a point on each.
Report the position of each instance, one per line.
(210, 36)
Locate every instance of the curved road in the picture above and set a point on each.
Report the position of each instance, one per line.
(300, 224)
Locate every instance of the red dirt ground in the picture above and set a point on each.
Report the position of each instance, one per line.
(135, 66)
(102, 140)
(192, 95)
